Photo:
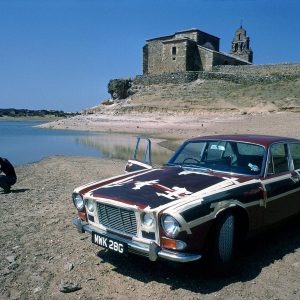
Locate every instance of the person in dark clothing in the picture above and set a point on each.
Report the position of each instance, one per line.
(10, 177)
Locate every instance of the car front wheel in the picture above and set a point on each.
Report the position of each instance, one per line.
(221, 252)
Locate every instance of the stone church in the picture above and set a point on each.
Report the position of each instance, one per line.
(193, 50)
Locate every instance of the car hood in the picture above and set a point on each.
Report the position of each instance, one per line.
(155, 187)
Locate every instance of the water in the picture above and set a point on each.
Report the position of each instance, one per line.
(21, 143)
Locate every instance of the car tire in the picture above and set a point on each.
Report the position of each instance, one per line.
(222, 246)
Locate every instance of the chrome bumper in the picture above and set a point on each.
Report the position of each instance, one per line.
(152, 251)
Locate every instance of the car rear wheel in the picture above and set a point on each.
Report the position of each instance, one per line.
(221, 252)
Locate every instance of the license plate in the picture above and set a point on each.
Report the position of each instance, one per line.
(109, 243)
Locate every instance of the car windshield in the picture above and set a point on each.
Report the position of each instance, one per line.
(220, 155)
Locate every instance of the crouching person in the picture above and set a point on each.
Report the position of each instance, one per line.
(9, 178)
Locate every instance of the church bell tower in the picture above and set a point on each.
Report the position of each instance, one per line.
(241, 45)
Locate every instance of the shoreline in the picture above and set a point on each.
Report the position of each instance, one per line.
(181, 127)
(30, 119)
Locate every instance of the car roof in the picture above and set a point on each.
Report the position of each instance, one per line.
(264, 140)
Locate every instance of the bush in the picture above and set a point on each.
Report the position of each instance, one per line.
(119, 88)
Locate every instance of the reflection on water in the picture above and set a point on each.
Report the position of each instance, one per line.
(122, 147)
(21, 142)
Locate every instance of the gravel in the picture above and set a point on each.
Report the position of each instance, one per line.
(44, 255)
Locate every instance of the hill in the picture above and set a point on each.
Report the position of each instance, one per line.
(241, 89)
(259, 99)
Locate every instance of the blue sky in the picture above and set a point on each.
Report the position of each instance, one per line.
(60, 54)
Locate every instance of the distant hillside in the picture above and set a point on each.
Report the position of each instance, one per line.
(244, 89)
(18, 113)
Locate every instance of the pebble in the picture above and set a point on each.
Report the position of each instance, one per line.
(11, 259)
(13, 266)
(69, 266)
(6, 271)
(37, 289)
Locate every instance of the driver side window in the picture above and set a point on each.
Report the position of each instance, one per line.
(278, 159)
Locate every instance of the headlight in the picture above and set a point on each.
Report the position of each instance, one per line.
(90, 205)
(170, 226)
(148, 219)
(78, 201)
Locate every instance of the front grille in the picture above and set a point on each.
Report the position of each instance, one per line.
(117, 218)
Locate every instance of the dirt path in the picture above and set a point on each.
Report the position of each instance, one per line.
(40, 248)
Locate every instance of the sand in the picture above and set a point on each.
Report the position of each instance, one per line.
(182, 126)
(41, 249)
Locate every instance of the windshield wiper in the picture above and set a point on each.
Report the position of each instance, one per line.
(198, 168)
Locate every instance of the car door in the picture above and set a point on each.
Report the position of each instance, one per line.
(141, 159)
(281, 184)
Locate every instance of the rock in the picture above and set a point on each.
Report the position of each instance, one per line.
(69, 266)
(37, 289)
(6, 271)
(11, 259)
(13, 266)
(296, 265)
(69, 287)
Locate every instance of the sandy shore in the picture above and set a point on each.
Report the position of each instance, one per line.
(40, 248)
(186, 126)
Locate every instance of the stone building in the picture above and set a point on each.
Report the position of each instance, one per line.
(241, 45)
(189, 50)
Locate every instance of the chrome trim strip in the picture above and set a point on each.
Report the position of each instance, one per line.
(151, 250)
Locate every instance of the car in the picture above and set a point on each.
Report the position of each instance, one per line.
(212, 193)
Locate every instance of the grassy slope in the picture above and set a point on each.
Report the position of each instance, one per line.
(218, 95)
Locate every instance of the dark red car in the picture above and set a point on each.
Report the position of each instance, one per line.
(213, 191)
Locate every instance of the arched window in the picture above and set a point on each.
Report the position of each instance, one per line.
(240, 36)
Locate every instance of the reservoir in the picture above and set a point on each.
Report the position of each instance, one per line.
(21, 142)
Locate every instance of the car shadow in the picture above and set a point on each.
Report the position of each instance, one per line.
(15, 191)
(255, 254)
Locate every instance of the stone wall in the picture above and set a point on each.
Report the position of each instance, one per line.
(206, 57)
(176, 78)
(161, 57)
(239, 74)
(284, 69)
(174, 56)
(193, 59)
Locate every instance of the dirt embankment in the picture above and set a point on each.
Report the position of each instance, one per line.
(242, 99)
(41, 249)
(181, 126)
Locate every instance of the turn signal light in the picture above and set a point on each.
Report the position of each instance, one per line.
(82, 215)
(172, 244)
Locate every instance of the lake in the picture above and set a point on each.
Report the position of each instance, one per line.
(21, 142)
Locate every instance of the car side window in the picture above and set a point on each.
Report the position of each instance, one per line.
(295, 154)
(278, 162)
